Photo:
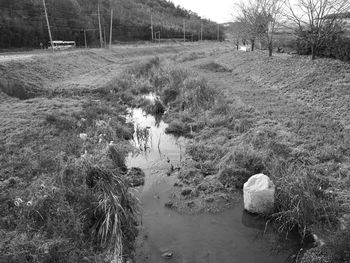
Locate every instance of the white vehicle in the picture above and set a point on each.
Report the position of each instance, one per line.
(61, 45)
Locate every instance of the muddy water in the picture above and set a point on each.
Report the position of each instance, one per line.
(228, 237)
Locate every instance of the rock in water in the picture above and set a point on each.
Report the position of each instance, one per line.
(167, 255)
(259, 194)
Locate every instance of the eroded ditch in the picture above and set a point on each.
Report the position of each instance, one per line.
(168, 236)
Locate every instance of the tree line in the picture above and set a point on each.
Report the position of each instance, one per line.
(317, 25)
(23, 24)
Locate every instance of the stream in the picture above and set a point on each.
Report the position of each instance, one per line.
(227, 237)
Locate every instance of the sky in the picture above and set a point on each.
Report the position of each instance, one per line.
(216, 10)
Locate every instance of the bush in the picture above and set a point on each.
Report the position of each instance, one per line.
(336, 47)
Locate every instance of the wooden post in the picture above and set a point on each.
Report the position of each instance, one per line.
(201, 31)
(48, 25)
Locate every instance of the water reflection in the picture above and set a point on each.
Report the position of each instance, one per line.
(229, 237)
(153, 144)
(253, 221)
(143, 138)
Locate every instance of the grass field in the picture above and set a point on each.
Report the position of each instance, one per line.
(286, 116)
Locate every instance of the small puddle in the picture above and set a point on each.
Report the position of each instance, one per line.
(227, 237)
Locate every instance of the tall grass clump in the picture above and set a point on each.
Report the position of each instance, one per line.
(197, 94)
(302, 202)
(115, 212)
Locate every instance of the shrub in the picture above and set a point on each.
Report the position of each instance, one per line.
(335, 47)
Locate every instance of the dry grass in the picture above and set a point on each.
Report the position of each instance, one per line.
(237, 138)
(286, 116)
(49, 211)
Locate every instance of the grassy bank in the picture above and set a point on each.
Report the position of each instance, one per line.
(63, 192)
(306, 157)
(64, 189)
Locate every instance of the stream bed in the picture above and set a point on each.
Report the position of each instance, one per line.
(168, 236)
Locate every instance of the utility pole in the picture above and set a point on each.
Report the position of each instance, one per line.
(152, 26)
(104, 36)
(201, 31)
(99, 24)
(111, 30)
(184, 30)
(85, 39)
(48, 25)
(218, 32)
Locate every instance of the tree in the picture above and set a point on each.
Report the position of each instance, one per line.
(271, 11)
(238, 33)
(317, 20)
(259, 18)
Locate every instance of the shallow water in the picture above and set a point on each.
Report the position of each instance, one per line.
(230, 236)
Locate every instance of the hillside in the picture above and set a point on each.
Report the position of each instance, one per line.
(22, 22)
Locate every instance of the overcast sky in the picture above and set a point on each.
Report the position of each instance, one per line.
(216, 10)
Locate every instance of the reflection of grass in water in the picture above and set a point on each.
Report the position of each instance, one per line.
(143, 137)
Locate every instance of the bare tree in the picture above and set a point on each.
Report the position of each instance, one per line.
(252, 24)
(317, 20)
(259, 18)
(272, 11)
(238, 33)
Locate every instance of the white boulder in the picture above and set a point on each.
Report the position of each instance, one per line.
(245, 48)
(83, 136)
(259, 194)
